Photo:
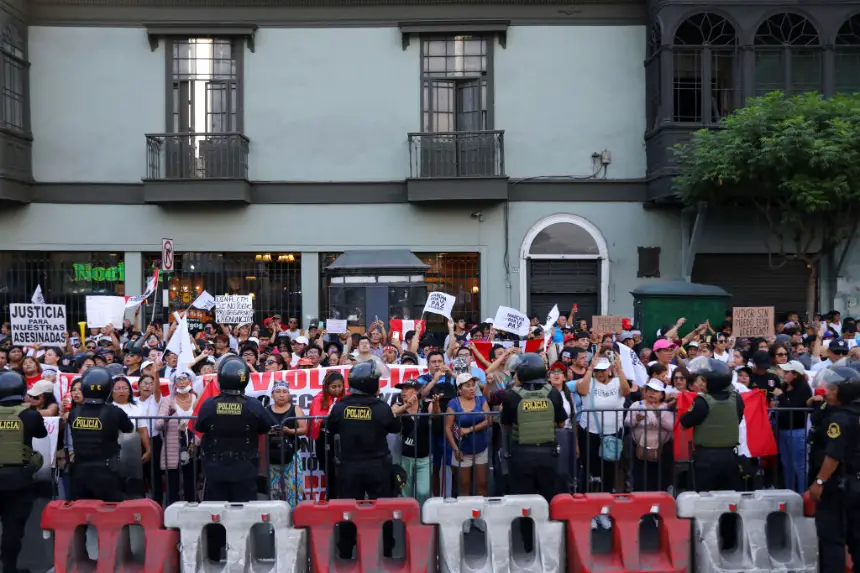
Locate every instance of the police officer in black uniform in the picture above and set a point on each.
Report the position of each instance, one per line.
(836, 484)
(360, 424)
(95, 428)
(231, 424)
(18, 426)
(715, 417)
(531, 412)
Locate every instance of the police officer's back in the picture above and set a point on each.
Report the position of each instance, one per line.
(95, 427)
(231, 424)
(715, 417)
(531, 413)
(836, 484)
(361, 423)
(18, 426)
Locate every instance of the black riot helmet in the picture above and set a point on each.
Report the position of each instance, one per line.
(233, 375)
(364, 378)
(846, 380)
(717, 374)
(12, 386)
(96, 385)
(531, 370)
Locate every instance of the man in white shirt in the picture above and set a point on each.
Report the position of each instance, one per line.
(837, 350)
(721, 350)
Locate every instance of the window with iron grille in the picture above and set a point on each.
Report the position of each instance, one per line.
(206, 89)
(273, 279)
(15, 66)
(65, 278)
(706, 71)
(458, 274)
(848, 56)
(788, 55)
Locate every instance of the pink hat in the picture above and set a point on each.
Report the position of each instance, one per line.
(662, 344)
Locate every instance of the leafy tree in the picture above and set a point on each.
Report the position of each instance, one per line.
(795, 161)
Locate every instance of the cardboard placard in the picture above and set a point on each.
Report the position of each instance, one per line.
(42, 324)
(234, 309)
(606, 323)
(753, 322)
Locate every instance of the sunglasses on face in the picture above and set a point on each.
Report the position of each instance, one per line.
(782, 354)
(270, 362)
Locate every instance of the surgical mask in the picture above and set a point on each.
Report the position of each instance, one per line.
(185, 390)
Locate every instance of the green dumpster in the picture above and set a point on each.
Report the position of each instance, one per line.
(658, 304)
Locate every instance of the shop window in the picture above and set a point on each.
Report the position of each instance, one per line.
(65, 278)
(273, 279)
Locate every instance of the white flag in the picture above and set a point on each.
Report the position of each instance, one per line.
(204, 302)
(551, 319)
(38, 297)
(511, 320)
(180, 344)
(440, 303)
(634, 370)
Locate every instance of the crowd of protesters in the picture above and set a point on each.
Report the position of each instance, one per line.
(449, 413)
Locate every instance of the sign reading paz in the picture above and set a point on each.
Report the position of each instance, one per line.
(752, 321)
(234, 309)
(440, 303)
(42, 324)
(606, 324)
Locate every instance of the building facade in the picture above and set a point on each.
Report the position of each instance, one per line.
(519, 148)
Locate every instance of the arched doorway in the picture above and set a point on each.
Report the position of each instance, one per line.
(564, 260)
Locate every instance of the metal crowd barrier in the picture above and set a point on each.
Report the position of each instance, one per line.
(646, 461)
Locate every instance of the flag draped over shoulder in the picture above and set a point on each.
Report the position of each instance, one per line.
(759, 436)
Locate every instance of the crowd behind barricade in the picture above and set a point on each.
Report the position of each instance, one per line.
(620, 415)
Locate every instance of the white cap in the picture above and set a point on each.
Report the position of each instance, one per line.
(465, 377)
(301, 340)
(146, 364)
(793, 366)
(655, 384)
(602, 364)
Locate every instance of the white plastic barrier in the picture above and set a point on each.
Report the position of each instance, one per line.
(769, 534)
(494, 535)
(246, 547)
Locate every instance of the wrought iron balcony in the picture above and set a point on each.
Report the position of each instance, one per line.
(195, 156)
(457, 154)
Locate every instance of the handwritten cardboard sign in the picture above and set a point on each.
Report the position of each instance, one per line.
(234, 309)
(752, 322)
(606, 324)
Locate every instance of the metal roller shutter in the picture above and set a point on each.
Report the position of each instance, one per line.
(565, 283)
(752, 282)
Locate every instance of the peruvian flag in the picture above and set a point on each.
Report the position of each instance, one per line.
(401, 327)
(209, 390)
(484, 348)
(135, 301)
(760, 440)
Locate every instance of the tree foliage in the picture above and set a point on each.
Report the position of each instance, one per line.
(795, 161)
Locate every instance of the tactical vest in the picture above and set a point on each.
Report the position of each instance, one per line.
(92, 440)
(720, 428)
(535, 417)
(13, 452)
(230, 436)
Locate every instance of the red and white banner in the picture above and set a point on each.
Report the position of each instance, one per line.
(533, 345)
(64, 382)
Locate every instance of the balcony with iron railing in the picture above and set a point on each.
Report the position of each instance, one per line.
(196, 167)
(457, 165)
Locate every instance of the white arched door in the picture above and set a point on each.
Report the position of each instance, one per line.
(564, 260)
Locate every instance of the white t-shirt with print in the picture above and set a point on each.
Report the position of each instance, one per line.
(603, 397)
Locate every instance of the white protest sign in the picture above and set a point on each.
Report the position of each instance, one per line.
(234, 309)
(335, 326)
(511, 320)
(440, 303)
(104, 310)
(204, 302)
(42, 324)
(48, 448)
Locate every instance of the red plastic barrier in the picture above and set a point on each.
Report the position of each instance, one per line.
(320, 519)
(70, 555)
(626, 510)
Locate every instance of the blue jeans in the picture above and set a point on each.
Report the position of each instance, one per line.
(792, 456)
(419, 487)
